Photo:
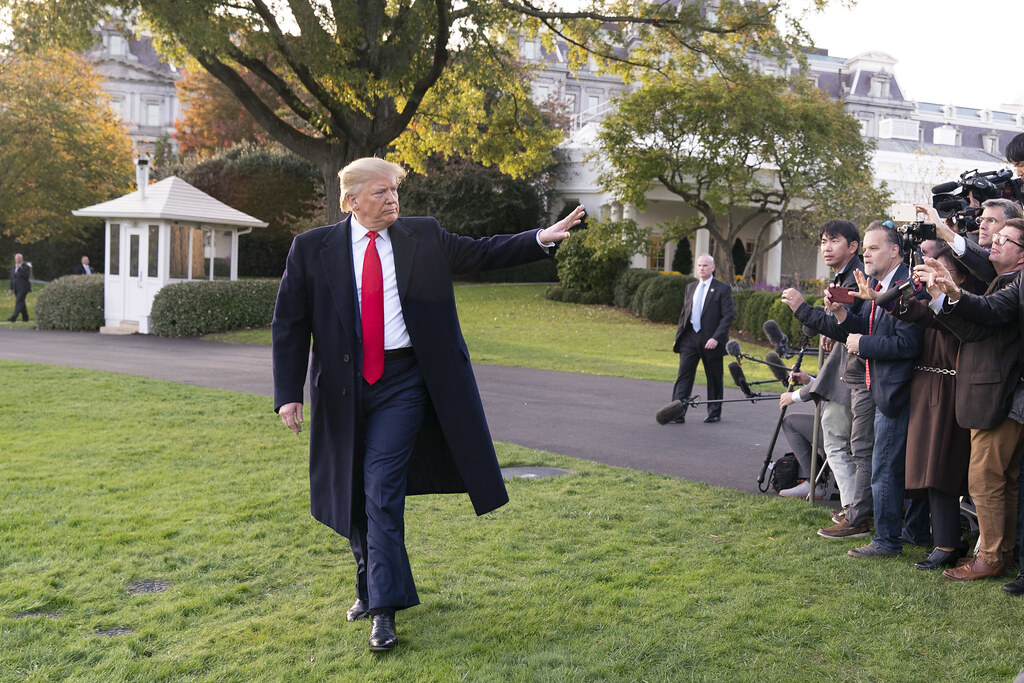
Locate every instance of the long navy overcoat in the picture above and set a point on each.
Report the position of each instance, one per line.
(317, 299)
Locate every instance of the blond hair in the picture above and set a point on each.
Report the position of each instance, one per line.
(357, 174)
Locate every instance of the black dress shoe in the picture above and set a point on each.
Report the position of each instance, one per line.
(940, 558)
(358, 610)
(1016, 587)
(382, 635)
(711, 419)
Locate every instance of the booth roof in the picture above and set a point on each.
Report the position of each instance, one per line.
(172, 199)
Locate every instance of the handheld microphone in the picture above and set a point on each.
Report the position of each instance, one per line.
(776, 336)
(740, 380)
(733, 348)
(777, 367)
(943, 188)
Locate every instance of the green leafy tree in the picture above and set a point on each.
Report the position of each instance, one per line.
(472, 199)
(351, 78)
(743, 152)
(61, 147)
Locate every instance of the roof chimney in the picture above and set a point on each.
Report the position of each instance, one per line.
(142, 174)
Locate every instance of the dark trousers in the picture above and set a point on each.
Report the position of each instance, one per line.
(690, 352)
(20, 307)
(798, 427)
(945, 512)
(392, 410)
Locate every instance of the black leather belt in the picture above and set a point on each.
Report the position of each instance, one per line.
(398, 354)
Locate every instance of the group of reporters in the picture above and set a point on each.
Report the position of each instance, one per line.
(923, 400)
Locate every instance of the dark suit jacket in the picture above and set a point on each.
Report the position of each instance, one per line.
(715, 318)
(890, 350)
(818, 319)
(988, 367)
(975, 259)
(318, 299)
(21, 279)
(1005, 307)
(80, 270)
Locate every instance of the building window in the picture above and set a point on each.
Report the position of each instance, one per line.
(115, 45)
(530, 50)
(880, 86)
(117, 106)
(570, 101)
(593, 101)
(153, 113)
(990, 143)
(656, 254)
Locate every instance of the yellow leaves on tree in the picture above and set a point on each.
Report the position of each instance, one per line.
(61, 147)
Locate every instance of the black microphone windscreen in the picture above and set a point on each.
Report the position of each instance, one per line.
(778, 368)
(739, 379)
(774, 333)
(733, 348)
(943, 188)
(894, 292)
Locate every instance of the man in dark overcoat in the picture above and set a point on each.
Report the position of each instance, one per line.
(395, 406)
(20, 278)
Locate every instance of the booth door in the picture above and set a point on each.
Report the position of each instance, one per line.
(136, 297)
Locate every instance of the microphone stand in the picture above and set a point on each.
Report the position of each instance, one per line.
(815, 432)
(694, 401)
(804, 343)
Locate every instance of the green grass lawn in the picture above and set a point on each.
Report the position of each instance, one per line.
(606, 574)
(515, 325)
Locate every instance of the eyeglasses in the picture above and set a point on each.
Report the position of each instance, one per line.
(1001, 239)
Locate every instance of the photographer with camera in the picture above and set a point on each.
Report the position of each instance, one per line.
(990, 401)
(975, 256)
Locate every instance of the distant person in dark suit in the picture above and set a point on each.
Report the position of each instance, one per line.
(701, 336)
(21, 285)
(84, 268)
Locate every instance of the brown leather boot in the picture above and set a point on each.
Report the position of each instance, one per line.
(977, 568)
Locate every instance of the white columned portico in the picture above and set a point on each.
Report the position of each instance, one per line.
(702, 244)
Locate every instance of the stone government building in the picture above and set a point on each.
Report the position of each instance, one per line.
(918, 144)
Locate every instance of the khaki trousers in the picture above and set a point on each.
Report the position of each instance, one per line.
(992, 482)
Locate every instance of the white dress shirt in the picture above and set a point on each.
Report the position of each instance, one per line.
(396, 335)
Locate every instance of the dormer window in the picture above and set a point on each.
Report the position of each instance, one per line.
(990, 143)
(880, 85)
(115, 45)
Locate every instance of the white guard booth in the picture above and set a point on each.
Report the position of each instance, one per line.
(161, 234)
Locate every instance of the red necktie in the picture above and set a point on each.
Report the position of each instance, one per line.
(871, 326)
(372, 311)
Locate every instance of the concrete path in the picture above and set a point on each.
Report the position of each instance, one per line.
(604, 419)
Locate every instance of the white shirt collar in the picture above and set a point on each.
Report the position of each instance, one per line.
(887, 280)
(359, 231)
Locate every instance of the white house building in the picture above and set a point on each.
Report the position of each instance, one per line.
(918, 145)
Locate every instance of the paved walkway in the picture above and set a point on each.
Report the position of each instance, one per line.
(604, 419)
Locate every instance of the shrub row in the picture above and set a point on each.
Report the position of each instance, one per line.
(186, 309)
(72, 302)
(580, 268)
(754, 307)
(626, 284)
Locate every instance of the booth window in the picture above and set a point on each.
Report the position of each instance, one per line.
(153, 267)
(114, 257)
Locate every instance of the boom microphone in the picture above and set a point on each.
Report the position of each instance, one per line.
(740, 380)
(733, 348)
(776, 336)
(777, 367)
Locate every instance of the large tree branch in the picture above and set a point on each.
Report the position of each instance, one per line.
(322, 95)
(766, 11)
(287, 135)
(429, 79)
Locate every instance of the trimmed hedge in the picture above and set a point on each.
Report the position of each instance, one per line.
(72, 302)
(187, 309)
(664, 297)
(626, 284)
(569, 295)
(581, 269)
